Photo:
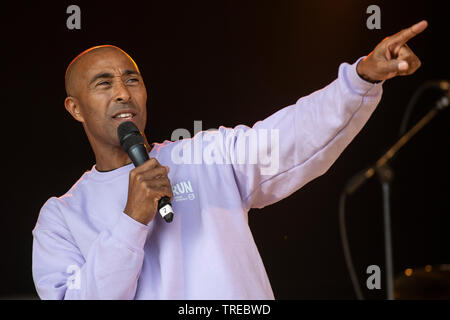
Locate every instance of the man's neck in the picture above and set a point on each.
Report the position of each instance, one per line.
(108, 161)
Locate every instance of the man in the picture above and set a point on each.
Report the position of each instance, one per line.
(103, 239)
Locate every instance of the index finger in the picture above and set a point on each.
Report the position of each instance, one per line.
(151, 163)
(403, 36)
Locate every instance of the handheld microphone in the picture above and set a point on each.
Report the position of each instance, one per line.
(133, 144)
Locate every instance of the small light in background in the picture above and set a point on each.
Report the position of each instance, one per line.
(408, 272)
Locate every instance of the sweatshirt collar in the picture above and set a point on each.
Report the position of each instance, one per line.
(109, 175)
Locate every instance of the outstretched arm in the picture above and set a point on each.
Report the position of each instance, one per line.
(315, 131)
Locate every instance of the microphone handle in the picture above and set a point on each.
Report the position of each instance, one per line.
(138, 155)
(165, 209)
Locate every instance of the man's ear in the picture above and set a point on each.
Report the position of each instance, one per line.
(73, 107)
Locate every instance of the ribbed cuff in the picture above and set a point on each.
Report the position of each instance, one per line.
(358, 84)
(130, 231)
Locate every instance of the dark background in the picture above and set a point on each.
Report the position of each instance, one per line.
(229, 63)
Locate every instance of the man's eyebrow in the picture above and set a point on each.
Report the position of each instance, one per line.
(101, 75)
(130, 72)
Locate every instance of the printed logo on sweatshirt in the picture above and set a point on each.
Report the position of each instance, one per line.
(183, 191)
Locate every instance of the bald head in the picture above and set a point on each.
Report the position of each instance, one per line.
(79, 66)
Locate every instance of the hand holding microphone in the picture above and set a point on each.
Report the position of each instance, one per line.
(149, 188)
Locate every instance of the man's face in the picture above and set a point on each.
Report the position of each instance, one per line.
(109, 90)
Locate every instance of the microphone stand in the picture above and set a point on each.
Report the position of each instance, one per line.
(385, 174)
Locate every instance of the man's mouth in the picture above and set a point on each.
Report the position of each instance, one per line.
(124, 116)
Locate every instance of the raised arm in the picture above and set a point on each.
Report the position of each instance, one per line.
(300, 142)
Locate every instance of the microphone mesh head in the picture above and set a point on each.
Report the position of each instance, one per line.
(126, 128)
(131, 140)
(129, 134)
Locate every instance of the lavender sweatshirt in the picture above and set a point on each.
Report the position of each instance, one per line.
(85, 247)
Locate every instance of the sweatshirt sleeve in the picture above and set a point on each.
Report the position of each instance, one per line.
(283, 152)
(305, 138)
(110, 270)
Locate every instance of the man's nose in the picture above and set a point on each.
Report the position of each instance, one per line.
(122, 94)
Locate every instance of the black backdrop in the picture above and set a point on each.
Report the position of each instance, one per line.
(227, 63)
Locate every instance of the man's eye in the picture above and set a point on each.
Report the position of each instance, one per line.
(132, 80)
(104, 83)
